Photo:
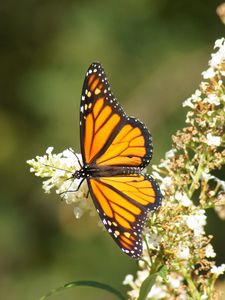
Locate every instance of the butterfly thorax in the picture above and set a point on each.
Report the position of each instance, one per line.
(105, 171)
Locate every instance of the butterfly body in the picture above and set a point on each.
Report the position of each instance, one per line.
(89, 171)
(115, 149)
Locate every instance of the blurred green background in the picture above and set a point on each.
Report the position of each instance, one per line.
(153, 52)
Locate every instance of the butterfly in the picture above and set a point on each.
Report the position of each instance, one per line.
(115, 149)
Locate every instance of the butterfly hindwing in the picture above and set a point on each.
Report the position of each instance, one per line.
(123, 203)
(108, 135)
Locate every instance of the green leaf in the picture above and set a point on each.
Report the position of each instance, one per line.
(87, 283)
(150, 281)
(163, 272)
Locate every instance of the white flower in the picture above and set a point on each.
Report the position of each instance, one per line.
(210, 73)
(183, 296)
(170, 154)
(184, 253)
(133, 294)
(219, 43)
(142, 263)
(196, 222)
(153, 240)
(166, 183)
(49, 150)
(219, 56)
(183, 198)
(194, 98)
(128, 279)
(141, 276)
(174, 280)
(59, 169)
(164, 164)
(188, 102)
(218, 270)
(175, 283)
(213, 140)
(206, 176)
(213, 99)
(209, 251)
(157, 176)
(156, 292)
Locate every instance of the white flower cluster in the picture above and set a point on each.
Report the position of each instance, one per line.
(153, 240)
(158, 290)
(209, 251)
(213, 140)
(176, 237)
(218, 270)
(59, 169)
(216, 60)
(183, 199)
(214, 69)
(196, 222)
(191, 101)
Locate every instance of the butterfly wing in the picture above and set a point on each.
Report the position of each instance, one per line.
(123, 203)
(108, 136)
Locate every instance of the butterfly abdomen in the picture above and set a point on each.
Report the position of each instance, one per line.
(105, 171)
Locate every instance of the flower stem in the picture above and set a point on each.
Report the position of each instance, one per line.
(192, 288)
(196, 177)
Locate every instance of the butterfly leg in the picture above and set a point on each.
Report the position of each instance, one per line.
(73, 191)
(86, 196)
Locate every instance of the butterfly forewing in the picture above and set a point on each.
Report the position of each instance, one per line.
(108, 135)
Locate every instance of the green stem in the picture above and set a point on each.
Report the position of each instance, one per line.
(211, 286)
(158, 263)
(196, 177)
(192, 288)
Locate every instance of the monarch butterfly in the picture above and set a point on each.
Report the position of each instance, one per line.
(115, 149)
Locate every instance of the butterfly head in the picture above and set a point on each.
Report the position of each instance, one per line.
(79, 174)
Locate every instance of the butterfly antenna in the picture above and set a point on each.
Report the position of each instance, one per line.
(76, 157)
(78, 160)
(69, 171)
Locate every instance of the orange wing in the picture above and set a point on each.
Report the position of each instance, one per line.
(108, 136)
(123, 203)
